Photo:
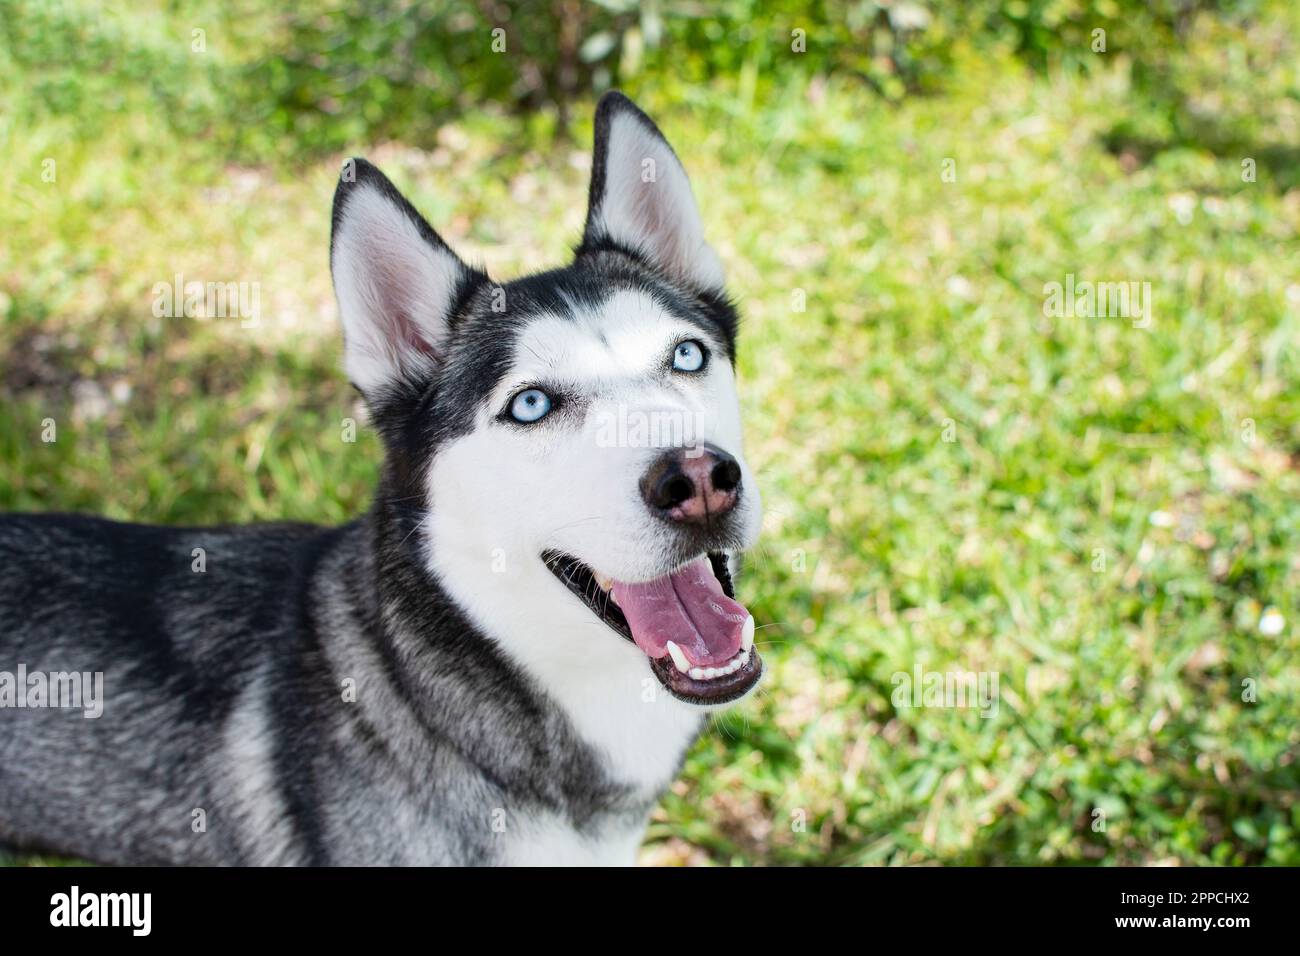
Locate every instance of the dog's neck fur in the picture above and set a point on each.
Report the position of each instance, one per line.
(584, 746)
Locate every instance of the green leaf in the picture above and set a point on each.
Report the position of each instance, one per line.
(597, 46)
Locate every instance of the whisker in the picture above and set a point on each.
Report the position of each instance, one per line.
(418, 525)
(720, 725)
(578, 521)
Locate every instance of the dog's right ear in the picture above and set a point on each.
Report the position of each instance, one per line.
(397, 283)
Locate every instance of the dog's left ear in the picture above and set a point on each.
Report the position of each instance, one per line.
(641, 199)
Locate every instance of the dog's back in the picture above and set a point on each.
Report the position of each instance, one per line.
(175, 620)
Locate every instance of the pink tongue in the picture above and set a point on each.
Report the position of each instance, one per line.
(688, 608)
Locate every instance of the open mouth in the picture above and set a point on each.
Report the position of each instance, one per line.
(699, 639)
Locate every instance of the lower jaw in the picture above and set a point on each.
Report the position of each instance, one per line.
(714, 691)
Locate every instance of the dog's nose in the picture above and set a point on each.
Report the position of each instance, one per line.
(692, 485)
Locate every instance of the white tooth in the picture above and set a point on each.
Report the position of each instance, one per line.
(697, 673)
(679, 658)
(604, 580)
(747, 635)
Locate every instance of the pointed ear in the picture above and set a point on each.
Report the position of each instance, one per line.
(641, 199)
(397, 283)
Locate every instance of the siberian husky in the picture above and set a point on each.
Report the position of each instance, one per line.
(506, 659)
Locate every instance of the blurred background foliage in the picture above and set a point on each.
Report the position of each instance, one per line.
(1113, 528)
(313, 77)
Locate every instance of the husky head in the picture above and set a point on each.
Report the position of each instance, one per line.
(564, 449)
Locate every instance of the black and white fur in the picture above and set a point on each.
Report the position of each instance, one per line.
(495, 720)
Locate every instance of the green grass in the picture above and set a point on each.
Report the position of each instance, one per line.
(1116, 509)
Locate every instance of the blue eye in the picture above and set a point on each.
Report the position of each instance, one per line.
(688, 356)
(530, 406)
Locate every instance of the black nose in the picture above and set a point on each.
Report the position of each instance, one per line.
(692, 485)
